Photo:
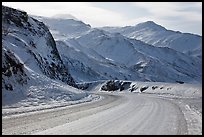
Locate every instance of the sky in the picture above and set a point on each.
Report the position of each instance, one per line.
(178, 16)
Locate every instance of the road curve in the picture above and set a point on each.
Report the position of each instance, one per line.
(115, 114)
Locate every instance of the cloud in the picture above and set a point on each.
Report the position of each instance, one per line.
(182, 16)
(190, 11)
(84, 11)
(172, 15)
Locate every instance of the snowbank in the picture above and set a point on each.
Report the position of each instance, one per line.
(41, 93)
(160, 88)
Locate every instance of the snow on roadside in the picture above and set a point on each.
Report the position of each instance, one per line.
(175, 89)
(194, 120)
(192, 114)
(184, 90)
(41, 107)
(187, 96)
(43, 93)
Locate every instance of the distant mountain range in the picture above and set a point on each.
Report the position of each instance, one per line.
(146, 52)
(156, 35)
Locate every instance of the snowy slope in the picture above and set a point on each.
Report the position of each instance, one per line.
(33, 72)
(94, 54)
(39, 93)
(87, 67)
(154, 34)
(33, 44)
(156, 63)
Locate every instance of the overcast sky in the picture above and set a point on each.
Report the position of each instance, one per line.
(178, 16)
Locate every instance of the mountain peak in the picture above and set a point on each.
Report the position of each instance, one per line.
(64, 16)
(151, 25)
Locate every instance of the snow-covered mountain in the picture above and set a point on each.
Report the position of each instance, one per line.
(92, 66)
(64, 27)
(97, 54)
(31, 41)
(154, 34)
(32, 69)
(152, 63)
(64, 16)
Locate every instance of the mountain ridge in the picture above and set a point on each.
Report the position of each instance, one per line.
(156, 35)
(32, 45)
(133, 59)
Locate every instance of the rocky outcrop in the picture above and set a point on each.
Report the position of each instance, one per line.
(12, 71)
(112, 85)
(31, 41)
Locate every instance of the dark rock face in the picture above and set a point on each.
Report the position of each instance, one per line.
(12, 71)
(12, 15)
(32, 36)
(180, 82)
(154, 87)
(133, 88)
(115, 85)
(84, 86)
(143, 88)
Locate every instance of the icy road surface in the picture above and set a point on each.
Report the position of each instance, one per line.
(115, 114)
